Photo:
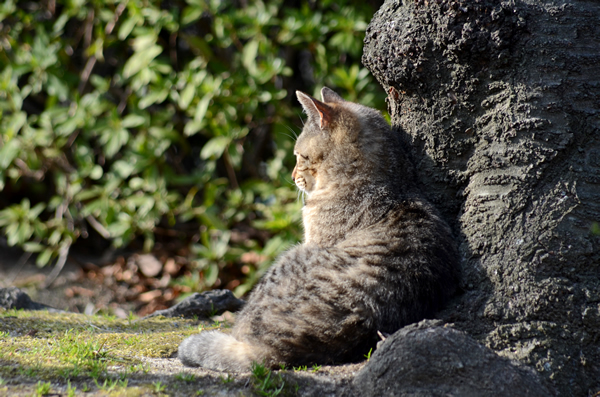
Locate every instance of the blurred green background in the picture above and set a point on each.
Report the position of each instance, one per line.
(166, 125)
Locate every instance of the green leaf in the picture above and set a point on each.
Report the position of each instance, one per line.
(215, 147)
(152, 98)
(36, 211)
(44, 257)
(190, 14)
(16, 122)
(118, 229)
(186, 96)
(211, 273)
(87, 194)
(114, 141)
(123, 168)
(133, 120)
(249, 55)
(140, 60)
(33, 247)
(127, 26)
(54, 238)
(96, 172)
(195, 126)
(9, 152)
(57, 87)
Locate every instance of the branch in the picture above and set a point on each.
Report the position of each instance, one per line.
(98, 227)
(60, 263)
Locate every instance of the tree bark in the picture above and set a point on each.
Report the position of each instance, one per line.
(500, 102)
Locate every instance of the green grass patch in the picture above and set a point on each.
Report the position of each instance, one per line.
(40, 345)
(264, 382)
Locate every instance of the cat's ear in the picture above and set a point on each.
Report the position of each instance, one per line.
(316, 108)
(329, 95)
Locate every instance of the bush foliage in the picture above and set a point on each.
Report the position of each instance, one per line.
(133, 121)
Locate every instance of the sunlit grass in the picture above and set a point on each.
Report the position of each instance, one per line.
(68, 346)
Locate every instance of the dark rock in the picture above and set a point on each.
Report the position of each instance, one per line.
(203, 305)
(14, 298)
(426, 359)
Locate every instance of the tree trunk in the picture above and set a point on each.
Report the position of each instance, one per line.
(501, 103)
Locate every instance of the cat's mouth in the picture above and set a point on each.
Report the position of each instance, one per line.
(300, 184)
(299, 180)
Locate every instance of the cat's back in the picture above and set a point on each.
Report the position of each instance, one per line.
(407, 260)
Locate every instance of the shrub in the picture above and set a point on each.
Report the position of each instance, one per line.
(129, 120)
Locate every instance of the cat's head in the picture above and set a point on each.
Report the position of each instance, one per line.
(342, 143)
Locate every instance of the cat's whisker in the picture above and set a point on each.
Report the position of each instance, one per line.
(301, 119)
(292, 131)
(288, 135)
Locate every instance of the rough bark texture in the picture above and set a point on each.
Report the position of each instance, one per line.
(501, 102)
(428, 360)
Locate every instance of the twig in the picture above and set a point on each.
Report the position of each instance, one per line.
(23, 259)
(19, 266)
(60, 263)
(123, 103)
(85, 74)
(173, 49)
(111, 25)
(230, 170)
(37, 175)
(91, 62)
(98, 227)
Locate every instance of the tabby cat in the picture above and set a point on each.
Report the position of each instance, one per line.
(376, 256)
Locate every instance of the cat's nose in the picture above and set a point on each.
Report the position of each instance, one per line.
(294, 175)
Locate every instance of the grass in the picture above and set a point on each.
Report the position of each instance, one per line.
(159, 386)
(264, 382)
(78, 351)
(73, 354)
(71, 391)
(82, 350)
(228, 379)
(188, 378)
(109, 385)
(43, 388)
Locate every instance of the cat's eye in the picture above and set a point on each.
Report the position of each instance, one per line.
(301, 155)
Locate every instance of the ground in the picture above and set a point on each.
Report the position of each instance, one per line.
(105, 348)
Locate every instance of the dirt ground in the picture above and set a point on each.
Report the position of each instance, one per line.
(71, 291)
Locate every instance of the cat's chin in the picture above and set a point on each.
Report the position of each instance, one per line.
(306, 192)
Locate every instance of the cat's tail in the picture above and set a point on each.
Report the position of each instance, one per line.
(218, 351)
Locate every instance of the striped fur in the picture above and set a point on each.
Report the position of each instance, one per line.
(376, 256)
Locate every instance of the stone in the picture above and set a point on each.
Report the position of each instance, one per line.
(427, 359)
(203, 305)
(14, 298)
